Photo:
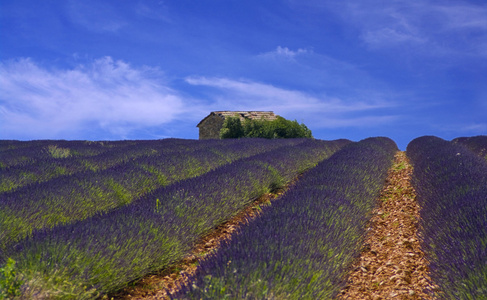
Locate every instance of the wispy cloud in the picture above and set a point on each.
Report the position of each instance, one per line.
(38, 102)
(426, 27)
(463, 16)
(285, 52)
(305, 68)
(159, 11)
(388, 25)
(118, 100)
(331, 121)
(462, 129)
(390, 37)
(95, 16)
(248, 95)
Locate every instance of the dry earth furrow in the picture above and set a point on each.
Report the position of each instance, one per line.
(392, 264)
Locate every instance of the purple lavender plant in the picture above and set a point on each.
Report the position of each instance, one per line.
(43, 162)
(103, 252)
(302, 246)
(69, 198)
(451, 185)
(477, 144)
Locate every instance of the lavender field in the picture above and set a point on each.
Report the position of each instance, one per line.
(451, 183)
(80, 220)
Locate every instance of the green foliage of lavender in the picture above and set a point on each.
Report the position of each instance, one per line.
(451, 186)
(23, 153)
(52, 161)
(66, 199)
(102, 253)
(302, 246)
(39, 161)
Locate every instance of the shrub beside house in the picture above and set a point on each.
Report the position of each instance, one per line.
(237, 124)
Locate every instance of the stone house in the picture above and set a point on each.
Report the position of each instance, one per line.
(211, 125)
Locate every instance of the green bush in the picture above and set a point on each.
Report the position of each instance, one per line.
(232, 128)
(279, 128)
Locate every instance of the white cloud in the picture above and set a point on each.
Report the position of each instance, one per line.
(424, 27)
(463, 16)
(95, 16)
(369, 121)
(248, 95)
(111, 99)
(457, 129)
(478, 127)
(285, 52)
(387, 37)
(108, 95)
(159, 11)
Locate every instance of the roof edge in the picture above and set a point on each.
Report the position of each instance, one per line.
(222, 113)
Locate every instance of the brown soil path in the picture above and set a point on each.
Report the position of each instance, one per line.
(392, 265)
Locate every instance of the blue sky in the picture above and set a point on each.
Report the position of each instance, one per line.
(109, 70)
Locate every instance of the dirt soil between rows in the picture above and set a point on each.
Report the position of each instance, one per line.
(391, 265)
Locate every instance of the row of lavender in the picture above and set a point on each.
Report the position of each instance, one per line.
(16, 145)
(103, 253)
(77, 196)
(477, 144)
(23, 153)
(303, 245)
(451, 185)
(44, 160)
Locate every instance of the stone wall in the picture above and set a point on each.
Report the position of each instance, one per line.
(210, 127)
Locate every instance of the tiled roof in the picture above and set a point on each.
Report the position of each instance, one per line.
(255, 115)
